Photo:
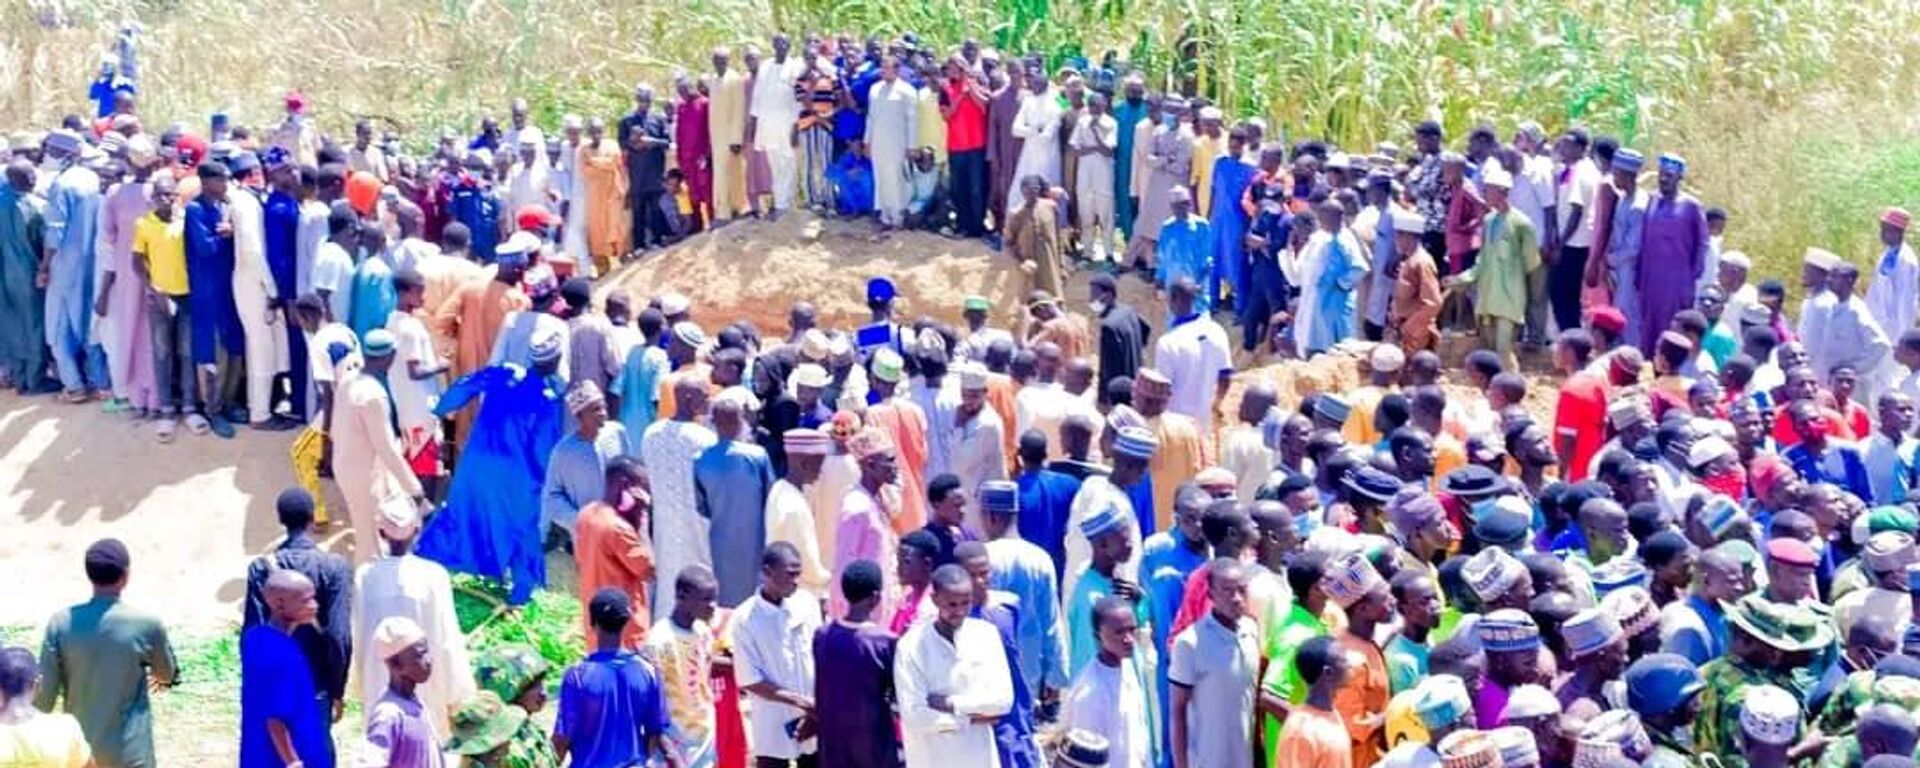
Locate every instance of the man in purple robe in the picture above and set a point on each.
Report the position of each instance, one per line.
(1673, 250)
(1003, 148)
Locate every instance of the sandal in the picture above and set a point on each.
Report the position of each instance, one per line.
(163, 430)
(74, 397)
(198, 424)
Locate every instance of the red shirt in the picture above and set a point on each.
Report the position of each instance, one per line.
(1837, 428)
(967, 126)
(1582, 414)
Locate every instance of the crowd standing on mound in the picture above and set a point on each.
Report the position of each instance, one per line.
(907, 543)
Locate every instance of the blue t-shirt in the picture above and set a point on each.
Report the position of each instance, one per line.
(277, 684)
(611, 706)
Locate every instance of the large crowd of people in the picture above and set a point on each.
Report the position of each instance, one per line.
(1038, 538)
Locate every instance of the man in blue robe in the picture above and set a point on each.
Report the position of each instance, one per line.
(23, 358)
(72, 222)
(731, 480)
(1185, 249)
(282, 217)
(1128, 113)
(1232, 174)
(1024, 570)
(277, 686)
(490, 525)
(218, 340)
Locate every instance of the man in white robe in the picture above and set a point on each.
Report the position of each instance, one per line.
(891, 126)
(1894, 295)
(401, 583)
(952, 681)
(1853, 338)
(668, 449)
(1095, 138)
(772, 116)
(1037, 125)
(790, 515)
(1110, 697)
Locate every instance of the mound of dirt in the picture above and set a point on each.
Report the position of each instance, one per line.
(1343, 369)
(756, 269)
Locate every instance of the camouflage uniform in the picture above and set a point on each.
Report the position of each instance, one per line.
(1718, 728)
(483, 725)
(506, 672)
(1671, 749)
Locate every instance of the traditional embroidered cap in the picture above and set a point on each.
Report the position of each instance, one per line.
(868, 443)
(1618, 573)
(1441, 701)
(1706, 450)
(1217, 480)
(1531, 701)
(547, 345)
(812, 376)
(1497, 177)
(1000, 496)
(1628, 160)
(1820, 258)
(1589, 632)
(1622, 729)
(814, 344)
(1338, 160)
(1720, 514)
(1770, 715)
(377, 343)
(399, 518)
(1888, 551)
(975, 303)
(519, 243)
(1102, 522)
(1508, 629)
(1372, 483)
(1895, 217)
(1386, 358)
(674, 303)
(62, 141)
(1517, 747)
(930, 342)
(1626, 412)
(973, 376)
(1331, 407)
(801, 441)
(1491, 572)
(689, 333)
(1135, 442)
(1673, 163)
(1152, 380)
(1409, 222)
(1910, 639)
(1633, 607)
(1468, 749)
(1660, 683)
(1083, 749)
(1913, 577)
(395, 634)
(1349, 578)
(582, 395)
(1792, 551)
(888, 366)
(1736, 259)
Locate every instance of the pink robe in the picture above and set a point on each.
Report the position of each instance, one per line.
(693, 151)
(125, 335)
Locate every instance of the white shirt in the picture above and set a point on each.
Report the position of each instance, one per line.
(774, 643)
(1221, 665)
(1043, 407)
(1894, 295)
(1112, 702)
(773, 104)
(333, 273)
(1533, 187)
(790, 519)
(1578, 189)
(1193, 354)
(971, 671)
(413, 399)
(1244, 452)
(418, 589)
(979, 455)
(319, 363)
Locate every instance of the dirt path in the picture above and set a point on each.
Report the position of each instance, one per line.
(192, 513)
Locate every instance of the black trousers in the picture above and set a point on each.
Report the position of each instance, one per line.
(649, 226)
(1563, 286)
(1266, 294)
(1436, 245)
(969, 191)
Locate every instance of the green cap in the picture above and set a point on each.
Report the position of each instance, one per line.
(888, 366)
(1892, 518)
(483, 724)
(508, 670)
(975, 303)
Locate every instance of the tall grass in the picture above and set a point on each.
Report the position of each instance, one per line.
(1732, 83)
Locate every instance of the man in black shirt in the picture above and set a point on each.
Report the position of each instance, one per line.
(644, 137)
(1123, 332)
(328, 646)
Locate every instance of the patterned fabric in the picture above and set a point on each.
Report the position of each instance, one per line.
(684, 658)
(530, 748)
(1717, 728)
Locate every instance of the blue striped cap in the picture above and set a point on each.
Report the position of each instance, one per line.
(1618, 573)
(1589, 632)
(1102, 522)
(1135, 442)
(999, 496)
(1508, 629)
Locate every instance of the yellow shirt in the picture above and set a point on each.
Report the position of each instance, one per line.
(45, 741)
(1206, 149)
(164, 244)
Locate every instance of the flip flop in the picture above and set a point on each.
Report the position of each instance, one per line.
(198, 424)
(164, 429)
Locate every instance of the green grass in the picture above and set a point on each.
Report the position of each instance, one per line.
(197, 720)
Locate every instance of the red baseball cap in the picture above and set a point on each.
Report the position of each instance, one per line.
(296, 101)
(535, 216)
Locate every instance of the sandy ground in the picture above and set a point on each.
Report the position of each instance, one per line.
(192, 513)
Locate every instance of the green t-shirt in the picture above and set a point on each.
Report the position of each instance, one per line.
(98, 656)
